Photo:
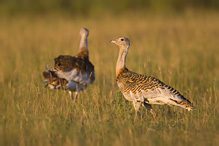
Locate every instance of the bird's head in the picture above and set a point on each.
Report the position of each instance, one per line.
(122, 42)
(84, 32)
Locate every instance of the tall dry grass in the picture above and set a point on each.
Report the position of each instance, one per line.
(182, 51)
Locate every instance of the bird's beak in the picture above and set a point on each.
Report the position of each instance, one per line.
(113, 41)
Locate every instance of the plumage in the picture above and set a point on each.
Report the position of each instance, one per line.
(142, 89)
(72, 73)
(53, 81)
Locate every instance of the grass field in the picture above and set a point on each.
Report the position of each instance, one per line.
(181, 50)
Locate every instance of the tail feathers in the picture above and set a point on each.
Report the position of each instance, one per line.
(58, 83)
(46, 75)
(53, 81)
(184, 104)
(49, 75)
(47, 68)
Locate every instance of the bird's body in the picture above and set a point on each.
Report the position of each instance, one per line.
(73, 73)
(142, 89)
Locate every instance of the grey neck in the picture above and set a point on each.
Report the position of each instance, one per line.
(83, 44)
(121, 59)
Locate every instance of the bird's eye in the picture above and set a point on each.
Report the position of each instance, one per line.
(122, 39)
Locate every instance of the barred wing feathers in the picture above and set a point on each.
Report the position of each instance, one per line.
(150, 90)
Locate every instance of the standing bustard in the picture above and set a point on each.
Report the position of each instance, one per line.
(72, 73)
(142, 89)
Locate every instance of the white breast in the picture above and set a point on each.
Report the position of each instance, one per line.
(157, 96)
(160, 96)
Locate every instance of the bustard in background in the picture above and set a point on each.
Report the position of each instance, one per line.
(72, 73)
(141, 89)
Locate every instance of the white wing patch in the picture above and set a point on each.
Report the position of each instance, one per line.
(76, 80)
(74, 75)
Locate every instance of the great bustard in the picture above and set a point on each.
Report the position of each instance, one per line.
(72, 73)
(144, 90)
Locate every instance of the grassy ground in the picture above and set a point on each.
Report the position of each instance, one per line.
(182, 51)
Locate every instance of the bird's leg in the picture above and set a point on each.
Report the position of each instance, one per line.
(154, 114)
(76, 96)
(136, 106)
(71, 95)
(76, 93)
(136, 115)
(149, 107)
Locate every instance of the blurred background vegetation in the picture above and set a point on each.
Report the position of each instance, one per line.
(175, 41)
(97, 7)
